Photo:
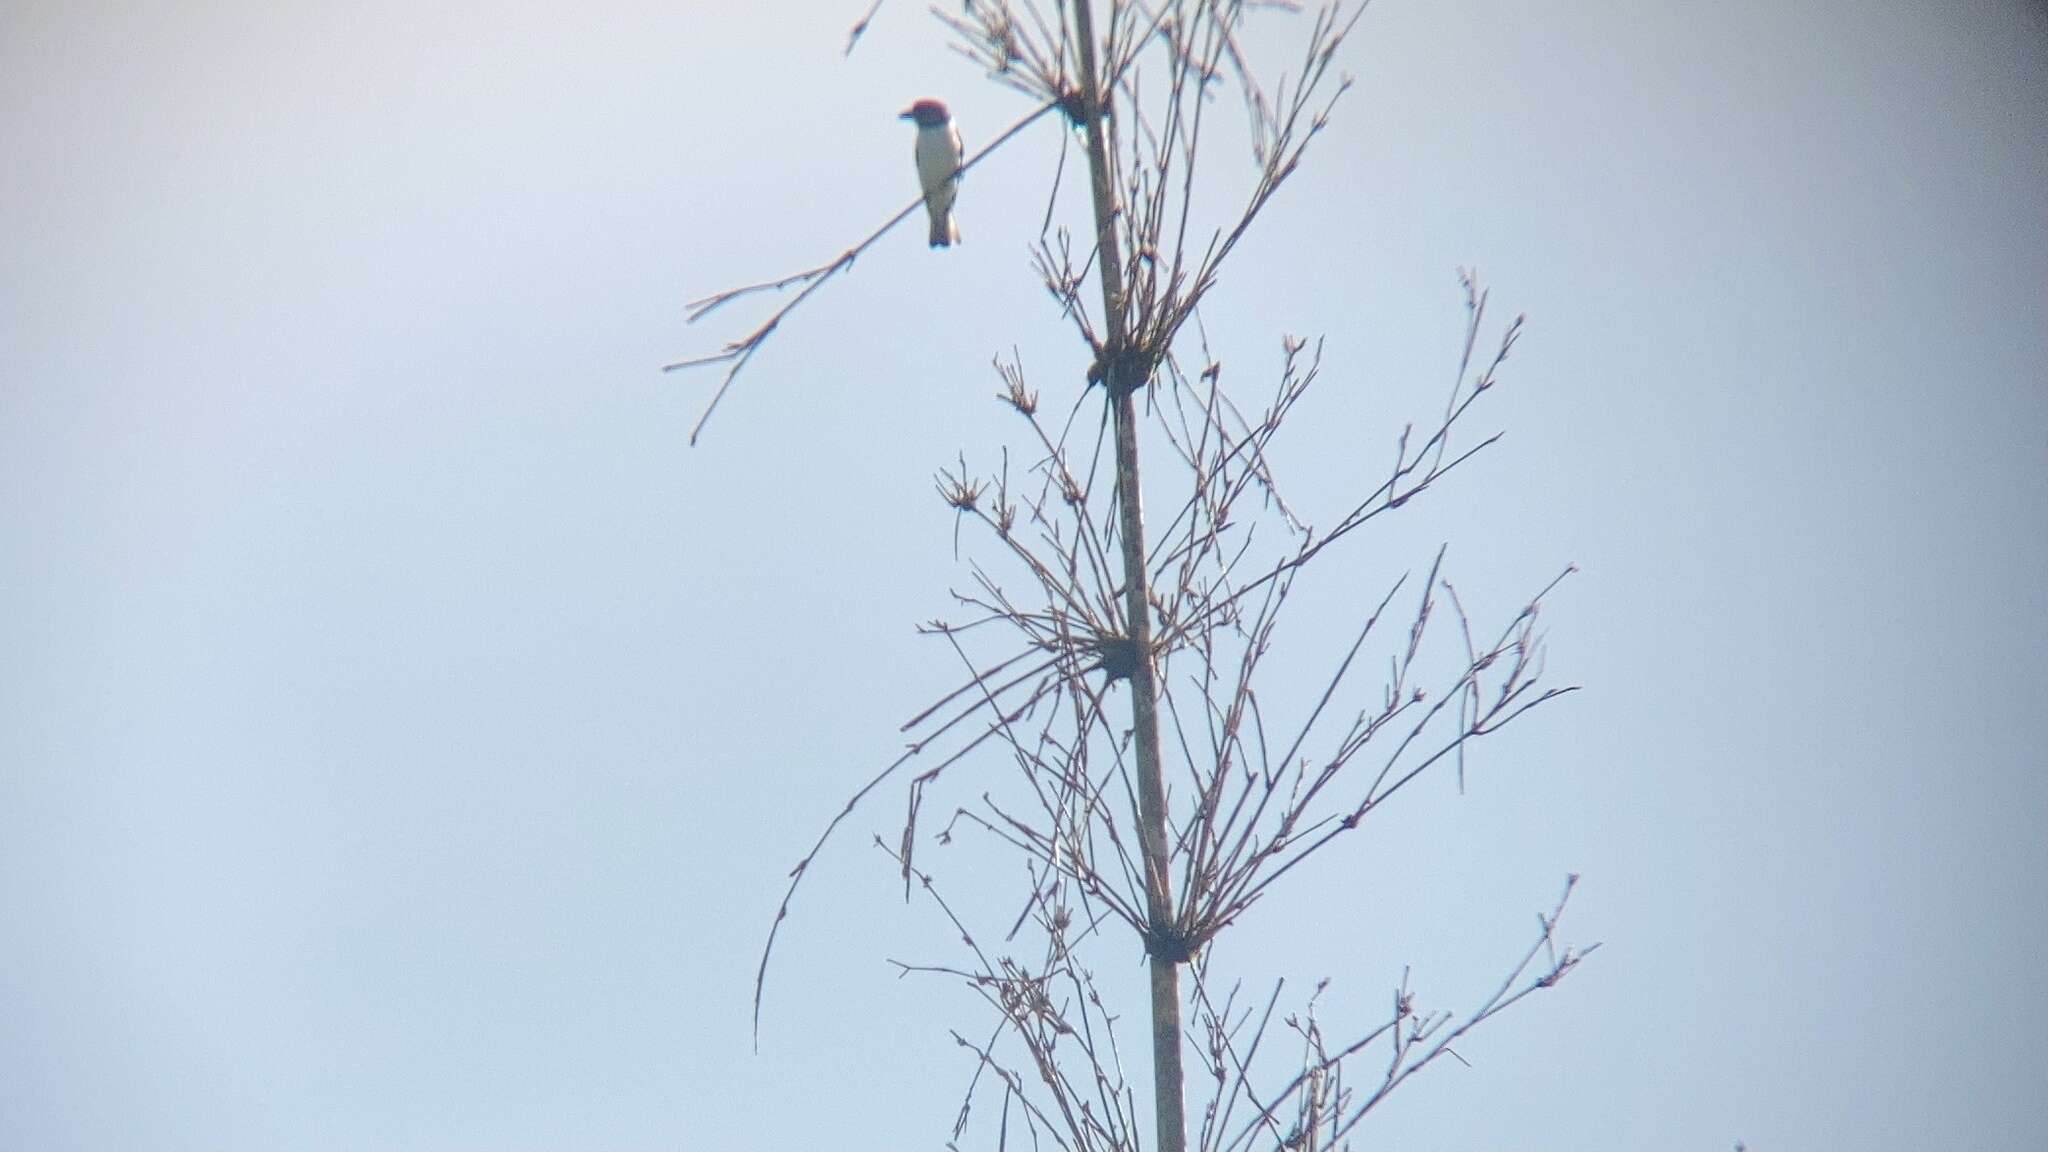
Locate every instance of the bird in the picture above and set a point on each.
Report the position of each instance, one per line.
(938, 153)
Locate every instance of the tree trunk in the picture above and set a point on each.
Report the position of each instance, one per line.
(1168, 1081)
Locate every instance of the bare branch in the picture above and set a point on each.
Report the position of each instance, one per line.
(738, 352)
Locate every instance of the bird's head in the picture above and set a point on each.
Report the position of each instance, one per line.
(927, 113)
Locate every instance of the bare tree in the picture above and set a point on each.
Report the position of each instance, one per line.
(1118, 673)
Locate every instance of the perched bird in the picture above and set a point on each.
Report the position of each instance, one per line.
(938, 153)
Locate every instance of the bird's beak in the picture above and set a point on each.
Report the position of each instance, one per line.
(907, 114)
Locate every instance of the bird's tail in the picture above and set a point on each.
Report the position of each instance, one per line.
(945, 233)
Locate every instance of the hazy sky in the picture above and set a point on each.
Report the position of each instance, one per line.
(404, 735)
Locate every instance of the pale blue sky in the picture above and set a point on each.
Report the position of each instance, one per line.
(403, 735)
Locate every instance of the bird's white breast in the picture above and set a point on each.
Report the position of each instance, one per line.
(938, 154)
